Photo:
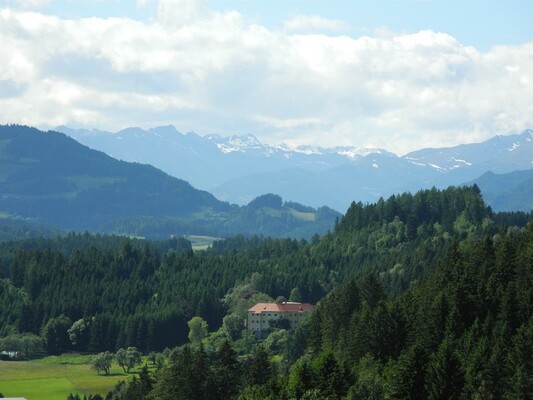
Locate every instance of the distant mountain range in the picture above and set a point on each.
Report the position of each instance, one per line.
(209, 161)
(49, 178)
(240, 168)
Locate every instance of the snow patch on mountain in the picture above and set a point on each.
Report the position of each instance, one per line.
(514, 146)
(437, 167)
(357, 152)
(308, 150)
(227, 149)
(248, 142)
(461, 161)
(231, 144)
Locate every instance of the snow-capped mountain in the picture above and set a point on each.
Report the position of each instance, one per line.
(231, 144)
(249, 143)
(240, 168)
(211, 160)
(466, 162)
(500, 153)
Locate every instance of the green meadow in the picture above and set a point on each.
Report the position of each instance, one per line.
(53, 378)
(200, 242)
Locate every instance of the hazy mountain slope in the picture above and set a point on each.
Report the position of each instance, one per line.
(54, 179)
(466, 163)
(51, 179)
(501, 153)
(507, 192)
(211, 160)
(187, 156)
(366, 179)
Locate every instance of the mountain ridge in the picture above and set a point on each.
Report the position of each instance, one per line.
(512, 191)
(246, 168)
(49, 178)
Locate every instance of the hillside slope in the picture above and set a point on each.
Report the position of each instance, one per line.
(51, 179)
(507, 192)
(54, 179)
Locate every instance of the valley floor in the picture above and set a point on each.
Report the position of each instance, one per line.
(54, 378)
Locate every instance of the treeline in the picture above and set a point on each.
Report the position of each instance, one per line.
(256, 218)
(67, 244)
(448, 208)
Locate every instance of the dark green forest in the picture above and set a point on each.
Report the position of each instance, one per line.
(424, 296)
(16, 229)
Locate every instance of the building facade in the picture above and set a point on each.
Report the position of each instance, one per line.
(262, 316)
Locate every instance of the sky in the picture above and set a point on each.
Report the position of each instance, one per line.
(400, 75)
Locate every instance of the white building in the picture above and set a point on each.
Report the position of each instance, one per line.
(262, 315)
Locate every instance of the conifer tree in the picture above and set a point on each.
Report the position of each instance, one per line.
(444, 377)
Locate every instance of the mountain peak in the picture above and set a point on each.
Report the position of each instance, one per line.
(62, 128)
(167, 130)
(356, 151)
(528, 133)
(307, 149)
(133, 131)
(235, 143)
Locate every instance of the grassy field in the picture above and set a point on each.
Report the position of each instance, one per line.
(200, 242)
(53, 378)
(305, 216)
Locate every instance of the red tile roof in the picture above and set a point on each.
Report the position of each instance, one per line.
(282, 307)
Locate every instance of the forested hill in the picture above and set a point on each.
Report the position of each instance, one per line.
(419, 296)
(400, 239)
(50, 179)
(446, 210)
(463, 331)
(16, 229)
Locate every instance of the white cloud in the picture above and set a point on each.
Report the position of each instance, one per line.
(217, 72)
(143, 3)
(179, 12)
(315, 23)
(32, 3)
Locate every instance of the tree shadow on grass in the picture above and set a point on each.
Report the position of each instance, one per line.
(111, 374)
